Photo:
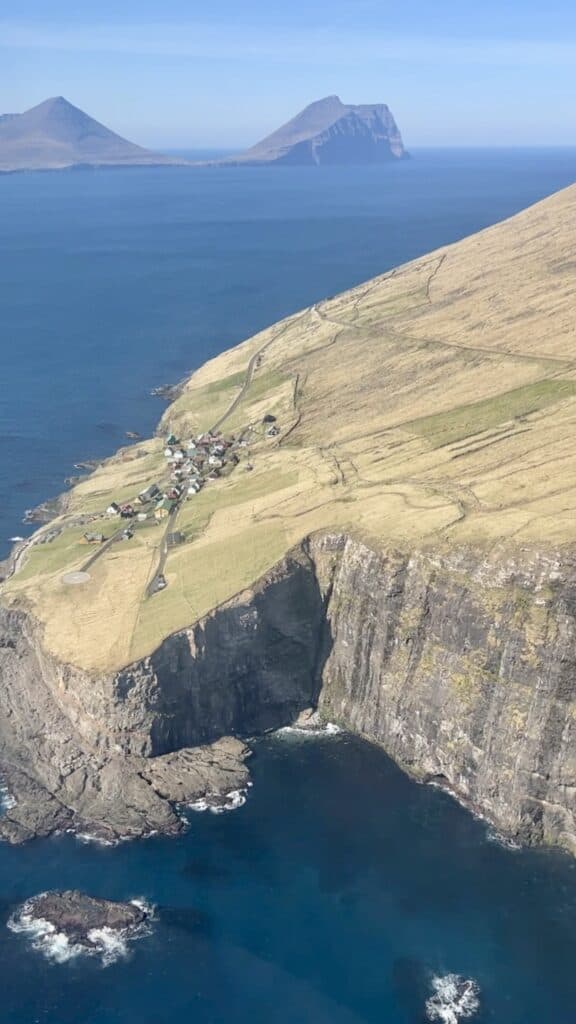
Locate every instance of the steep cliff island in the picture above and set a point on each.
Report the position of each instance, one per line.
(398, 551)
(330, 132)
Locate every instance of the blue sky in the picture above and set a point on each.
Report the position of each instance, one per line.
(179, 73)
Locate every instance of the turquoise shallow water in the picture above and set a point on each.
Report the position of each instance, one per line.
(341, 889)
(333, 896)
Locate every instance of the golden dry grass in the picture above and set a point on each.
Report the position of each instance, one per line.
(434, 405)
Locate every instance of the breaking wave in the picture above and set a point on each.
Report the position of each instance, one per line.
(329, 729)
(87, 838)
(108, 944)
(7, 801)
(502, 840)
(454, 999)
(220, 805)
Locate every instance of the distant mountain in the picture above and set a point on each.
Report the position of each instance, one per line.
(56, 134)
(331, 132)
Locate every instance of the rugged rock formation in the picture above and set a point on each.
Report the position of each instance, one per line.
(77, 914)
(64, 925)
(460, 663)
(331, 132)
(55, 134)
(62, 767)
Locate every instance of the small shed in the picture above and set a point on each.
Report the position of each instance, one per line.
(171, 439)
(174, 539)
(113, 509)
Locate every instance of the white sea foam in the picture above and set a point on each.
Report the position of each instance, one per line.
(220, 805)
(109, 944)
(44, 938)
(454, 999)
(87, 838)
(501, 840)
(7, 801)
(329, 729)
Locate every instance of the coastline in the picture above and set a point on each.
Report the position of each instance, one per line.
(415, 617)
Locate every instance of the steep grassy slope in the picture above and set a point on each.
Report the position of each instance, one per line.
(432, 407)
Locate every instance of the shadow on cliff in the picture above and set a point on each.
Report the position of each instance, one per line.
(249, 667)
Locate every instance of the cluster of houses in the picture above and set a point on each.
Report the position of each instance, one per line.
(199, 459)
(191, 464)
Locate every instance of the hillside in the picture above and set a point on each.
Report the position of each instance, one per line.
(431, 409)
(331, 132)
(55, 135)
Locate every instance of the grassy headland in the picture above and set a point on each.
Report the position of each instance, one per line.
(432, 406)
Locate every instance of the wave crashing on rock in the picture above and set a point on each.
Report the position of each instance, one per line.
(220, 805)
(455, 999)
(66, 925)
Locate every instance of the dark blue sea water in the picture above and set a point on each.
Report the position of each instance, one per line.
(341, 888)
(334, 896)
(112, 282)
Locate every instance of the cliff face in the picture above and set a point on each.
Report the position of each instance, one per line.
(331, 132)
(461, 665)
(463, 668)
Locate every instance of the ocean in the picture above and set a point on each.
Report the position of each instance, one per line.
(341, 892)
(338, 894)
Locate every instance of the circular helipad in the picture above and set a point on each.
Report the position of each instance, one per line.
(74, 578)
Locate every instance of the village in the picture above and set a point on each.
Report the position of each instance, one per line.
(190, 466)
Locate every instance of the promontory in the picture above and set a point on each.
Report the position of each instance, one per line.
(368, 509)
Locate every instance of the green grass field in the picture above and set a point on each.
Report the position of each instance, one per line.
(468, 420)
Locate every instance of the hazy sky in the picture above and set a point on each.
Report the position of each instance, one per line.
(189, 74)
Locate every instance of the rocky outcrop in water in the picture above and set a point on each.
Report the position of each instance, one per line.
(64, 925)
(77, 914)
(461, 663)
